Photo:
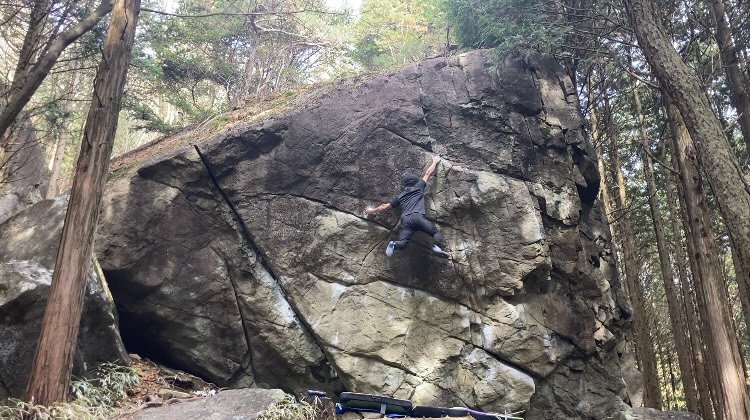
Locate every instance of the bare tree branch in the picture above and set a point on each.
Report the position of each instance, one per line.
(293, 12)
(21, 95)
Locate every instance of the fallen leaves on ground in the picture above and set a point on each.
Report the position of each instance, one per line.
(160, 386)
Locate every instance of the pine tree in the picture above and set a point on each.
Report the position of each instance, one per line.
(53, 361)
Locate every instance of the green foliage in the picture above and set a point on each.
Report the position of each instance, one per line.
(507, 25)
(95, 398)
(219, 55)
(219, 121)
(288, 408)
(391, 33)
(180, 66)
(148, 119)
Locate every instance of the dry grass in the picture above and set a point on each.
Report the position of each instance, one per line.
(117, 392)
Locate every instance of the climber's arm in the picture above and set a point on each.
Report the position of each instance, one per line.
(378, 209)
(429, 171)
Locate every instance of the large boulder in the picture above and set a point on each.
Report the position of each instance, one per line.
(28, 247)
(21, 177)
(246, 258)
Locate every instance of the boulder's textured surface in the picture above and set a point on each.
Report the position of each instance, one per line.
(28, 247)
(642, 413)
(247, 259)
(24, 171)
(237, 404)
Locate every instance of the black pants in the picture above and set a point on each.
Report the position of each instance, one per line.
(412, 223)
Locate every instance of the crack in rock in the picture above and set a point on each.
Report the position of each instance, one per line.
(264, 262)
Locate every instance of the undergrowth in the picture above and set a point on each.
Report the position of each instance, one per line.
(96, 398)
(288, 408)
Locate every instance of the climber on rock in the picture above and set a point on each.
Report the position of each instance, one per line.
(411, 202)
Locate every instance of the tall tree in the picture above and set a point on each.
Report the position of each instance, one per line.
(731, 63)
(738, 94)
(716, 157)
(643, 340)
(727, 377)
(50, 373)
(688, 301)
(63, 134)
(391, 33)
(38, 56)
(230, 54)
(667, 274)
(508, 25)
(598, 140)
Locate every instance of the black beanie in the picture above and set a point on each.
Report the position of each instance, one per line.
(409, 179)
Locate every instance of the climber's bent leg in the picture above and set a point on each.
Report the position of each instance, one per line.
(437, 238)
(404, 236)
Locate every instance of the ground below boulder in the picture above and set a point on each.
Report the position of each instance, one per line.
(237, 404)
(642, 413)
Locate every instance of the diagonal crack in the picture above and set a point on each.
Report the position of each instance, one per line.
(245, 328)
(322, 203)
(375, 357)
(509, 363)
(377, 245)
(380, 359)
(427, 147)
(250, 241)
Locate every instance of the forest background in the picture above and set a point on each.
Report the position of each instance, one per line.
(662, 85)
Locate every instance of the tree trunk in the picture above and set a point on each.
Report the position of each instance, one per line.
(708, 369)
(672, 382)
(730, 60)
(599, 145)
(643, 341)
(706, 376)
(693, 326)
(50, 373)
(741, 101)
(663, 363)
(740, 10)
(31, 42)
(63, 134)
(743, 290)
(679, 330)
(714, 151)
(728, 382)
(246, 82)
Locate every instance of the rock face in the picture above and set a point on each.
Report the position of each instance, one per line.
(247, 259)
(642, 413)
(28, 247)
(24, 184)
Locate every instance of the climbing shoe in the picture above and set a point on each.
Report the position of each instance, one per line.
(439, 251)
(389, 248)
